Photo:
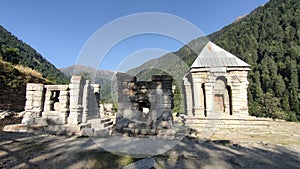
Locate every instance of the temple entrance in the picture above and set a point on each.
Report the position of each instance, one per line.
(221, 96)
(219, 103)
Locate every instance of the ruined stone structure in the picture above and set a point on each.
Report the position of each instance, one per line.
(72, 108)
(144, 107)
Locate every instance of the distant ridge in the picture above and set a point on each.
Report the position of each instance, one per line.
(102, 77)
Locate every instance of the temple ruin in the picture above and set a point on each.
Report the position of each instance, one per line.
(70, 109)
(144, 107)
(215, 94)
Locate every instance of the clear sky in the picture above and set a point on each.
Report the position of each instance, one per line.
(58, 29)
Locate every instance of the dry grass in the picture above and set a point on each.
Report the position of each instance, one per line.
(28, 71)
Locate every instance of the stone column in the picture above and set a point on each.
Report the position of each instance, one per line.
(188, 97)
(85, 101)
(76, 91)
(198, 94)
(47, 100)
(64, 105)
(209, 102)
(241, 97)
(34, 98)
(235, 90)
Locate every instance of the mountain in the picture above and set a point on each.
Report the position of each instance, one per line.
(269, 40)
(102, 77)
(20, 64)
(15, 51)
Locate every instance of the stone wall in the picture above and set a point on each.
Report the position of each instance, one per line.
(144, 107)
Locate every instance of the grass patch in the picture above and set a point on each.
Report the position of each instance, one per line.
(29, 71)
(108, 160)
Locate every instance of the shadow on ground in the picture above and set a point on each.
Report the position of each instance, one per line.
(24, 150)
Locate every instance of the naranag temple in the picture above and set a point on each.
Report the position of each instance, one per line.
(215, 90)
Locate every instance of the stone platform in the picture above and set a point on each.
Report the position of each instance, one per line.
(226, 121)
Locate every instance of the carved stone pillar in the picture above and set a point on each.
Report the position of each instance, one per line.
(76, 92)
(188, 97)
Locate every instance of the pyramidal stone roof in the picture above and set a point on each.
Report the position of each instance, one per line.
(213, 56)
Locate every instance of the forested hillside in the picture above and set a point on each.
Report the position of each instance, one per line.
(269, 40)
(15, 51)
(20, 64)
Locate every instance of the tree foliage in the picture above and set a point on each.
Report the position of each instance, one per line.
(15, 51)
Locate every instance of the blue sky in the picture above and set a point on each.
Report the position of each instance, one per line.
(58, 29)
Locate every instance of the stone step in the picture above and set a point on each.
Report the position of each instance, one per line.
(207, 125)
(226, 122)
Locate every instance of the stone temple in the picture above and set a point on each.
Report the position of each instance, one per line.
(216, 84)
(215, 88)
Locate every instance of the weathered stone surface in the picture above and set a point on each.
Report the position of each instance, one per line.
(122, 77)
(140, 103)
(162, 78)
(87, 131)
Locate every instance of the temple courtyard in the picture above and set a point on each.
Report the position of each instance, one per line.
(275, 145)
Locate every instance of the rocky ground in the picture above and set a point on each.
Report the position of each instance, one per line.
(277, 146)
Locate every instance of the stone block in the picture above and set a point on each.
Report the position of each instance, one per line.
(29, 103)
(37, 104)
(55, 120)
(74, 86)
(35, 86)
(28, 119)
(51, 113)
(30, 93)
(162, 78)
(64, 93)
(87, 131)
(41, 121)
(101, 133)
(167, 115)
(27, 108)
(38, 94)
(16, 128)
(125, 77)
(165, 124)
(166, 106)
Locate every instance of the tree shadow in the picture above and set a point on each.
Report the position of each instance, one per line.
(24, 150)
(227, 154)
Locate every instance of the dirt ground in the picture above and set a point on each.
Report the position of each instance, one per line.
(277, 146)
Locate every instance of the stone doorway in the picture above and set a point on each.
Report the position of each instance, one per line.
(219, 105)
(221, 97)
